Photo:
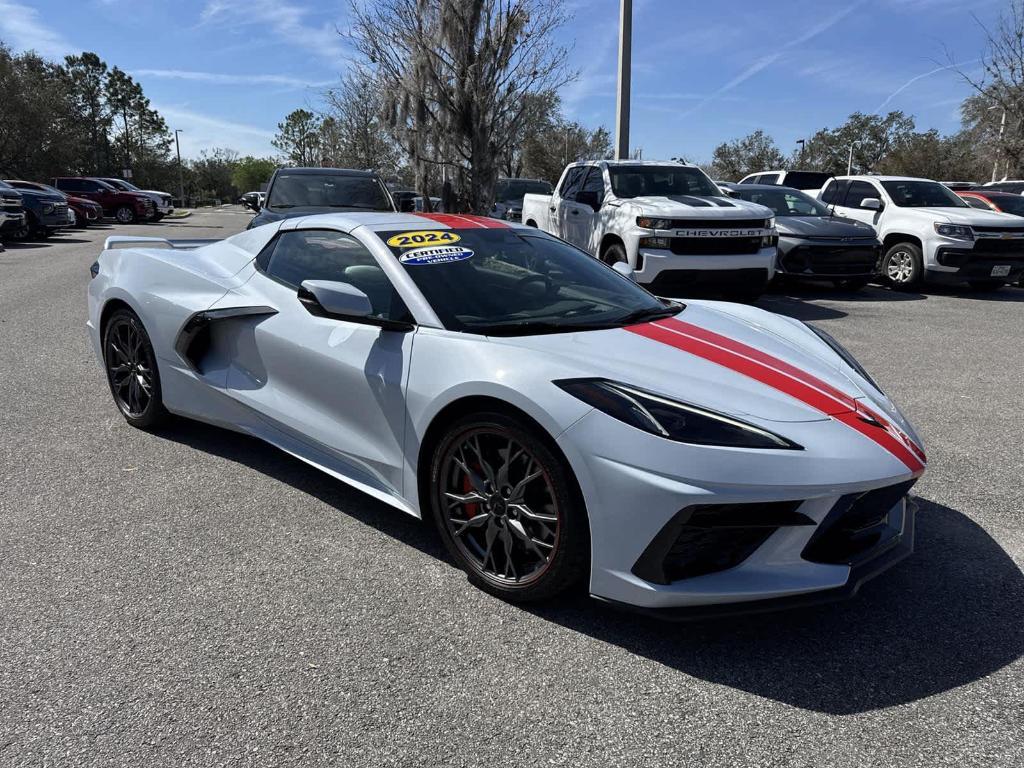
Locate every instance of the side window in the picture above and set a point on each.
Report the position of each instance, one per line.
(750, 180)
(858, 191)
(72, 185)
(593, 186)
(90, 186)
(976, 202)
(572, 182)
(322, 254)
(835, 192)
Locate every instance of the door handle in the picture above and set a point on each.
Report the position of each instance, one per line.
(551, 208)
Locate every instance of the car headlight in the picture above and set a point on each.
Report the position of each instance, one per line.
(843, 353)
(671, 419)
(649, 223)
(957, 231)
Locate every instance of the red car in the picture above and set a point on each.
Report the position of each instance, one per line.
(86, 211)
(126, 207)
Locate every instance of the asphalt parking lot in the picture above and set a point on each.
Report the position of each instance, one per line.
(196, 598)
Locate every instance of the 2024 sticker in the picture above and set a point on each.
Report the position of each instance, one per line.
(423, 237)
(438, 254)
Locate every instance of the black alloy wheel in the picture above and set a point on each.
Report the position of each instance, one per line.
(132, 372)
(508, 510)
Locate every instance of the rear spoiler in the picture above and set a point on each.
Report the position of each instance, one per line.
(115, 241)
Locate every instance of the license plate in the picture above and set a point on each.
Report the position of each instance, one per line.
(1003, 270)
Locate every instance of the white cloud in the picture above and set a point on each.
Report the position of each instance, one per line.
(764, 62)
(21, 28)
(922, 76)
(217, 78)
(199, 132)
(288, 22)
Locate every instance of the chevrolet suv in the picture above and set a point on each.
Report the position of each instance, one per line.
(126, 207)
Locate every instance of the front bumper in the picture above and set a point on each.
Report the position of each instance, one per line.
(11, 222)
(827, 259)
(956, 264)
(653, 262)
(636, 485)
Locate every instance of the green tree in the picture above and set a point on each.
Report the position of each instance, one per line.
(251, 173)
(755, 152)
(872, 137)
(298, 138)
(353, 133)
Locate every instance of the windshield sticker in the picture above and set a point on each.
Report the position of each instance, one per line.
(427, 237)
(440, 254)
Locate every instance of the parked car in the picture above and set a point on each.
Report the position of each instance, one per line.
(163, 203)
(12, 211)
(404, 198)
(303, 191)
(419, 207)
(561, 427)
(1015, 186)
(929, 233)
(509, 193)
(814, 243)
(81, 211)
(252, 200)
(46, 212)
(126, 207)
(666, 221)
(1001, 202)
(805, 181)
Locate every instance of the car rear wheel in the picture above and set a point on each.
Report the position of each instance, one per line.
(132, 373)
(125, 214)
(508, 509)
(902, 266)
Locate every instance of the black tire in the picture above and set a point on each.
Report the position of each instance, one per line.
(560, 557)
(986, 285)
(851, 283)
(903, 267)
(24, 232)
(156, 217)
(125, 214)
(132, 372)
(614, 253)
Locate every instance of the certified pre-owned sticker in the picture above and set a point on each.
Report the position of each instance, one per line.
(425, 237)
(440, 254)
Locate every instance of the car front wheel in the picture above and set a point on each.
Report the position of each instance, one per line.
(131, 368)
(903, 266)
(125, 214)
(508, 509)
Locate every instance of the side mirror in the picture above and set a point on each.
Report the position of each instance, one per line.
(624, 269)
(341, 300)
(871, 204)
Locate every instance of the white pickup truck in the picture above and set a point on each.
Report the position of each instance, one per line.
(667, 220)
(928, 232)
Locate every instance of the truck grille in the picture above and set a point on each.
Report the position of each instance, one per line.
(715, 246)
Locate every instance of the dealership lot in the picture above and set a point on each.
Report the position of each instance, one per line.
(198, 598)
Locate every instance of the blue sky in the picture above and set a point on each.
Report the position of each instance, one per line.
(227, 71)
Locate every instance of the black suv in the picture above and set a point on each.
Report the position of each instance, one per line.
(306, 191)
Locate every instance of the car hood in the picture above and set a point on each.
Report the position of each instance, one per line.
(822, 226)
(83, 201)
(972, 217)
(38, 194)
(699, 207)
(628, 356)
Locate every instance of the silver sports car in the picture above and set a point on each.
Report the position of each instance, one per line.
(560, 425)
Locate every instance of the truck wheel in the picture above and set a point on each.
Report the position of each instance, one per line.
(125, 215)
(902, 266)
(613, 254)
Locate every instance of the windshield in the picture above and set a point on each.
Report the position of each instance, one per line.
(514, 189)
(328, 190)
(785, 202)
(807, 179)
(923, 194)
(660, 181)
(508, 282)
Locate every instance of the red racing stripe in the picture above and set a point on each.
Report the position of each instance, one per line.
(459, 221)
(788, 379)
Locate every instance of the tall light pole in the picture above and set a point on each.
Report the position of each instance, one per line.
(999, 148)
(625, 73)
(801, 142)
(849, 162)
(181, 178)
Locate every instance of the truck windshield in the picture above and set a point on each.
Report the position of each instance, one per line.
(503, 281)
(785, 202)
(327, 190)
(514, 189)
(660, 181)
(923, 194)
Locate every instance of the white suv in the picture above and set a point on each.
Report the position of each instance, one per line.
(929, 233)
(806, 181)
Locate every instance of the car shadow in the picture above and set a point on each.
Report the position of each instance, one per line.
(22, 245)
(947, 616)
